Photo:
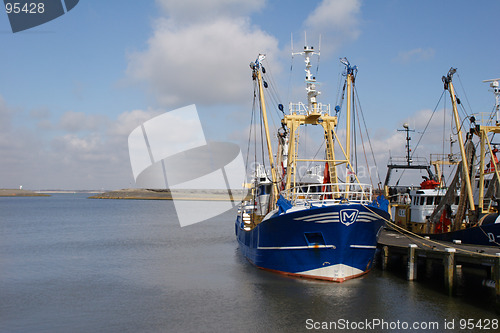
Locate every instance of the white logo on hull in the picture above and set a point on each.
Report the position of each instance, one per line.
(348, 216)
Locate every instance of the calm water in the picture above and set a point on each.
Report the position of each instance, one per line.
(71, 264)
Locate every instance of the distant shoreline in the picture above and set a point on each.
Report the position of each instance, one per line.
(21, 193)
(153, 194)
(136, 194)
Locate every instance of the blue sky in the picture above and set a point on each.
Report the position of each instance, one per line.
(72, 89)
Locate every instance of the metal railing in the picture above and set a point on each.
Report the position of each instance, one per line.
(485, 118)
(448, 158)
(302, 109)
(329, 194)
(403, 160)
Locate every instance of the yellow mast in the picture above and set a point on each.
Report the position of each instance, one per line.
(257, 70)
(349, 81)
(466, 175)
(482, 131)
(348, 124)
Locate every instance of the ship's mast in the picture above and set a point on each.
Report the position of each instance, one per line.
(483, 131)
(257, 71)
(350, 72)
(312, 93)
(448, 85)
(408, 138)
(494, 84)
(312, 113)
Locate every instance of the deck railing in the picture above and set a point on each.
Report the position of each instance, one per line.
(329, 193)
(302, 109)
(485, 118)
(403, 160)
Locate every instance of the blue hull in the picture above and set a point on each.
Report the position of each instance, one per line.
(334, 242)
(488, 235)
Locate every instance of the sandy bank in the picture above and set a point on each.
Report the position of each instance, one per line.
(20, 193)
(149, 194)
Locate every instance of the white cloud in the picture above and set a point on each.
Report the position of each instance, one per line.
(5, 115)
(337, 21)
(200, 51)
(76, 151)
(78, 121)
(187, 11)
(205, 63)
(128, 120)
(415, 55)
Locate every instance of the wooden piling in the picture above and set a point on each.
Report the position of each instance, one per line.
(385, 257)
(433, 254)
(449, 270)
(412, 262)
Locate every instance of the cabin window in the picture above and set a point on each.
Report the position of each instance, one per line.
(456, 200)
(437, 200)
(315, 189)
(422, 201)
(429, 200)
(264, 189)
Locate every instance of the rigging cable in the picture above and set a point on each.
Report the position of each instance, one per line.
(368, 137)
(462, 86)
(290, 79)
(262, 145)
(251, 126)
(364, 151)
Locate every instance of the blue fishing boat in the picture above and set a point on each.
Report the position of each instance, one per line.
(322, 223)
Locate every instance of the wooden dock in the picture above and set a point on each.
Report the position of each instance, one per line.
(415, 251)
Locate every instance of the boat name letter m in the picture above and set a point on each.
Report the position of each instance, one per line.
(348, 216)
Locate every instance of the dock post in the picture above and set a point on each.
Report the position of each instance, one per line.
(449, 270)
(412, 262)
(385, 257)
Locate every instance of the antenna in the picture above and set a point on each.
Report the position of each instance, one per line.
(496, 91)
(408, 149)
